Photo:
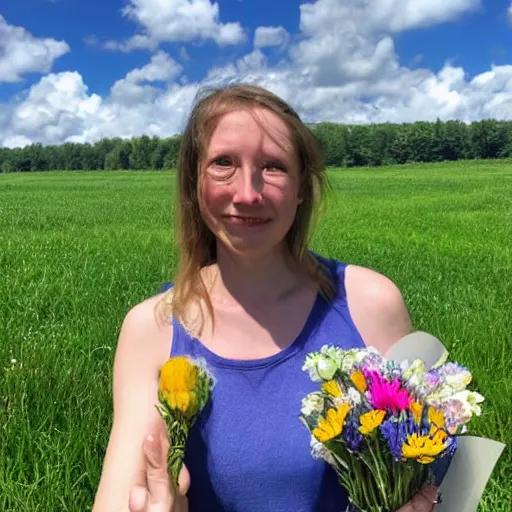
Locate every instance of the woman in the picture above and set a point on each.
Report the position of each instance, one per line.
(253, 301)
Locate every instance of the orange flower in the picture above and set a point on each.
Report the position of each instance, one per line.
(359, 381)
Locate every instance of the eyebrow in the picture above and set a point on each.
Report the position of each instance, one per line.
(226, 150)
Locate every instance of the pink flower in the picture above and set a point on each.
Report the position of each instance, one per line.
(385, 394)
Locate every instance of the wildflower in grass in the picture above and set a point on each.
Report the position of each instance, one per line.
(184, 388)
(371, 420)
(331, 425)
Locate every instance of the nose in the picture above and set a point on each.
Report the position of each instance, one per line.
(248, 186)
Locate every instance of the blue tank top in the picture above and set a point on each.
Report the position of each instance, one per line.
(248, 451)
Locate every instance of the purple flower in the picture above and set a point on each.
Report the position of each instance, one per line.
(451, 369)
(352, 436)
(395, 433)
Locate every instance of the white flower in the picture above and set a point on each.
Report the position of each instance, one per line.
(354, 396)
(310, 365)
(326, 368)
(13, 361)
(319, 451)
(332, 352)
(458, 381)
(416, 370)
(312, 403)
(323, 365)
(470, 401)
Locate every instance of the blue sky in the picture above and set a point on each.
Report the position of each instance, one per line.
(64, 74)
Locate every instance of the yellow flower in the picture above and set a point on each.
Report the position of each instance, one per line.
(178, 374)
(417, 410)
(436, 417)
(331, 425)
(424, 448)
(331, 387)
(178, 381)
(371, 420)
(359, 381)
(185, 401)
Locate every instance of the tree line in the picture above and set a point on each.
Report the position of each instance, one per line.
(342, 145)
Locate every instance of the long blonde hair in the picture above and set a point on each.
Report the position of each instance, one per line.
(196, 243)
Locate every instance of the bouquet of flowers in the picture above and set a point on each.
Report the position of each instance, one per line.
(383, 425)
(184, 389)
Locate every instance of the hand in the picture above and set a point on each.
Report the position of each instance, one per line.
(424, 501)
(160, 495)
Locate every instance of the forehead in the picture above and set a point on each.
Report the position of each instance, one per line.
(254, 129)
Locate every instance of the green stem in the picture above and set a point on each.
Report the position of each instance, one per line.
(378, 474)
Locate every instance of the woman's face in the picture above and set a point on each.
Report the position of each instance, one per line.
(250, 182)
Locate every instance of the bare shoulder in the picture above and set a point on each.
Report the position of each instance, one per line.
(377, 307)
(145, 336)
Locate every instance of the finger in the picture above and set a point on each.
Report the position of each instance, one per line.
(158, 479)
(138, 499)
(184, 480)
(422, 502)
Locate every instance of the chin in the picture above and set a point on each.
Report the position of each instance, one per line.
(252, 248)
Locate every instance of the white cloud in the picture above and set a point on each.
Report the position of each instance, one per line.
(371, 16)
(398, 15)
(16, 141)
(347, 40)
(55, 108)
(137, 42)
(60, 109)
(21, 52)
(161, 68)
(340, 69)
(183, 20)
(270, 36)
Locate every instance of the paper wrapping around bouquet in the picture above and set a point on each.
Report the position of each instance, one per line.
(418, 345)
(475, 457)
(468, 473)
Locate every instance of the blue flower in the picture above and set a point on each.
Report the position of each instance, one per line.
(395, 432)
(352, 436)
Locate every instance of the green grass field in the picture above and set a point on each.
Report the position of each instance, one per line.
(78, 250)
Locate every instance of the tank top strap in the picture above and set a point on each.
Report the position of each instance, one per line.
(338, 313)
(181, 340)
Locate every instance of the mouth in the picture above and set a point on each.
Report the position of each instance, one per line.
(246, 220)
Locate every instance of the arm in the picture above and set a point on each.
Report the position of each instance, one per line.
(377, 307)
(142, 348)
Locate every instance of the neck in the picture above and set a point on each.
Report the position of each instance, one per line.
(238, 280)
